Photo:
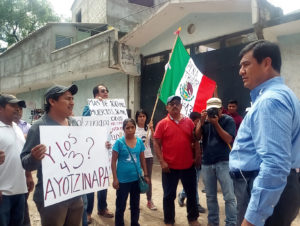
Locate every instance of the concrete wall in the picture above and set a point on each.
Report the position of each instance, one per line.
(290, 51)
(125, 16)
(116, 83)
(207, 26)
(117, 13)
(34, 100)
(92, 11)
(34, 64)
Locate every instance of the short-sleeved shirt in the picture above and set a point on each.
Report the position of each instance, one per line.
(215, 149)
(126, 170)
(24, 126)
(12, 174)
(176, 139)
(142, 133)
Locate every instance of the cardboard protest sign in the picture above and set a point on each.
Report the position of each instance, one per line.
(99, 121)
(115, 110)
(76, 162)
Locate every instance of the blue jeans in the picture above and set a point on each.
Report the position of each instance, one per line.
(211, 174)
(169, 182)
(12, 209)
(133, 189)
(242, 192)
(182, 194)
(102, 204)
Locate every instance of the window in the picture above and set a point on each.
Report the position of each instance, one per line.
(78, 16)
(148, 3)
(62, 41)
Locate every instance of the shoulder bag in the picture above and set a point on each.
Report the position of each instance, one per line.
(144, 187)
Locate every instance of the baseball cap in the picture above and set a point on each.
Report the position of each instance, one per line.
(11, 99)
(213, 103)
(60, 89)
(174, 97)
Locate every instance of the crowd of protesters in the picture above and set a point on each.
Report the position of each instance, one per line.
(256, 160)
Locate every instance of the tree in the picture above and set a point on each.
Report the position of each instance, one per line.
(19, 18)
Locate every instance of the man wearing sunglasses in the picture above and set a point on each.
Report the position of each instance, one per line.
(100, 92)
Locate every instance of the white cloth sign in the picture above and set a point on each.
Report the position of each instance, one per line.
(76, 161)
(115, 110)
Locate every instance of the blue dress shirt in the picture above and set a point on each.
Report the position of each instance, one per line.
(268, 140)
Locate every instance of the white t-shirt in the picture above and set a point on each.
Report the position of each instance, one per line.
(141, 133)
(12, 174)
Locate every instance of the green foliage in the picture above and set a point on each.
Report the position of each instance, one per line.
(19, 18)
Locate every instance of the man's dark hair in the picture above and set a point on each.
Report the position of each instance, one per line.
(195, 115)
(263, 49)
(96, 89)
(233, 102)
(54, 97)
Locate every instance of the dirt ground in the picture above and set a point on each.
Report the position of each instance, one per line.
(147, 217)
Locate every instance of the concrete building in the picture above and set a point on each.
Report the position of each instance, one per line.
(126, 43)
(85, 52)
(124, 15)
(214, 32)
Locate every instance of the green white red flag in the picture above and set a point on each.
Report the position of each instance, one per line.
(184, 79)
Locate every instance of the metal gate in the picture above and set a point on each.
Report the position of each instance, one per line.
(221, 65)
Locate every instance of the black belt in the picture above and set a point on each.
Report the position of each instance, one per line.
(241, 174)
(297, 170)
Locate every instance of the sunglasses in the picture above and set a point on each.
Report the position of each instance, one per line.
(104, 90)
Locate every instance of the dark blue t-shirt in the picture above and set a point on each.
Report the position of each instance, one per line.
(214, 148)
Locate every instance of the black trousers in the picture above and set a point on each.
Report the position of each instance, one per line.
(124, 190)
(169, 183)
(288, 205)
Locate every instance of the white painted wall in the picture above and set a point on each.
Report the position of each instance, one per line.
(290, 52)
(207, 25)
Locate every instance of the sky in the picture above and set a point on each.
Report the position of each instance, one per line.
(63, 7)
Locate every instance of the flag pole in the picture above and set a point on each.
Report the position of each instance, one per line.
(162, 81)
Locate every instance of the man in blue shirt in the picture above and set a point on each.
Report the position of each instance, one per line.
(265, 158)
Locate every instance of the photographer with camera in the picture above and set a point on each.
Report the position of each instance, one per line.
(217, 131)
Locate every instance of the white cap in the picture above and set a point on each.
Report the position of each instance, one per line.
(213, 103)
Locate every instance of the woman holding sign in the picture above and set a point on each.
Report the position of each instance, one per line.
(141, 119)
(129, 152)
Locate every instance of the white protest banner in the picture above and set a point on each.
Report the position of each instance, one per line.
(76, 162)
(115, 110)
(100, 121)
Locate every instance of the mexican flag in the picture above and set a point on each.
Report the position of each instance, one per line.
(184, 79)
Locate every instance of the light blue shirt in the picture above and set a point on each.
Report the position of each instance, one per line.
(268, 140)
(126, 171)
